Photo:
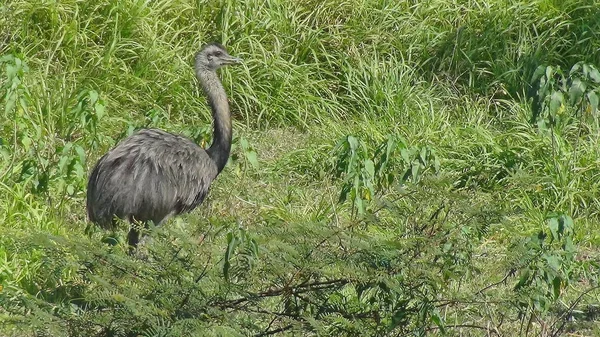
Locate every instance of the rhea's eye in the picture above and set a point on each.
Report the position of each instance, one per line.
(218, 53)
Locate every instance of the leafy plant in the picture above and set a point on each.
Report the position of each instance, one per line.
(579, 89)
(548, 259)
(84, 117)
(14, 91)
(364, 174)
(354, 164)
(236, 265)
(243, 155)
(41, 161)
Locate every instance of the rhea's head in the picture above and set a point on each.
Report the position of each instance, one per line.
(213, 56)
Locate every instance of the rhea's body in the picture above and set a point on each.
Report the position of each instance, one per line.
(153, 174)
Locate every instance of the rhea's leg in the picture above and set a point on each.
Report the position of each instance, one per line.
(135, 230)
(137, 239)
(133, 238)
(145, 240)
(151, 225)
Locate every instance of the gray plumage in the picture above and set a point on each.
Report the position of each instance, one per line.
(153, 174)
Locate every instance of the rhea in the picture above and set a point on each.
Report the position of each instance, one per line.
(152, 174)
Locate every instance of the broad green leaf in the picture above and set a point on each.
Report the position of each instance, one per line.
(252, 158)
(4, 153)
(553, 224)
(568, 245)
(543, 89)
(549, 72)
(11, 101)
(81, 153)
(232, 243)
(6, 58)
(539, 71)
(594, 101)
(567, 223)
(553, 262)
(23, 103)
(79, 172)
(586, 70)
(11, 71)
(423, 155)
(398, 318)
(77, 109)
(556, 283)
(391, 144)
(243, 143)
(359, 205)
(523, 280)
(93, 94)
(416, 171)
(405, 155)
(67, 148)
(62, 163)
(576, 91)
(130, 130)
(99, 108)
(595, 75)
(353, 142)
(369, 167)
(26, 141)
(556, 100)
(435, 318)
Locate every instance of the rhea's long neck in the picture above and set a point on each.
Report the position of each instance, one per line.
(217, 98)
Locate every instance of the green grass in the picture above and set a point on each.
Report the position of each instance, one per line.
(445, 252)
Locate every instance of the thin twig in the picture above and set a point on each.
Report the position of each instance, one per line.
(290, 290)
(469, 326)
(272, 332)
(510, 272)
(563, 317)
(202, 274)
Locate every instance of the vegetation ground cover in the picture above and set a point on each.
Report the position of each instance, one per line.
(399, 168)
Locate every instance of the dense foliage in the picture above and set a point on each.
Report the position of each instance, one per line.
(401, 168)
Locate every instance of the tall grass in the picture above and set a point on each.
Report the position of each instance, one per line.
(299, 54)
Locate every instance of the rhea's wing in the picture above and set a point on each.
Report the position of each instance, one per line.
(191, 169)
(127, 183)
(95, 203)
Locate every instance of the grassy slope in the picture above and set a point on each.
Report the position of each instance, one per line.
(442, 74)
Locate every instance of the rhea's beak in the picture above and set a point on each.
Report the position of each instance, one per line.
(232, 60)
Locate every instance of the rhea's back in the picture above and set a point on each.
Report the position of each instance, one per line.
(149, 176)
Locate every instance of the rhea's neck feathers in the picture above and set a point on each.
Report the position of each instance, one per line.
(217, 98)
